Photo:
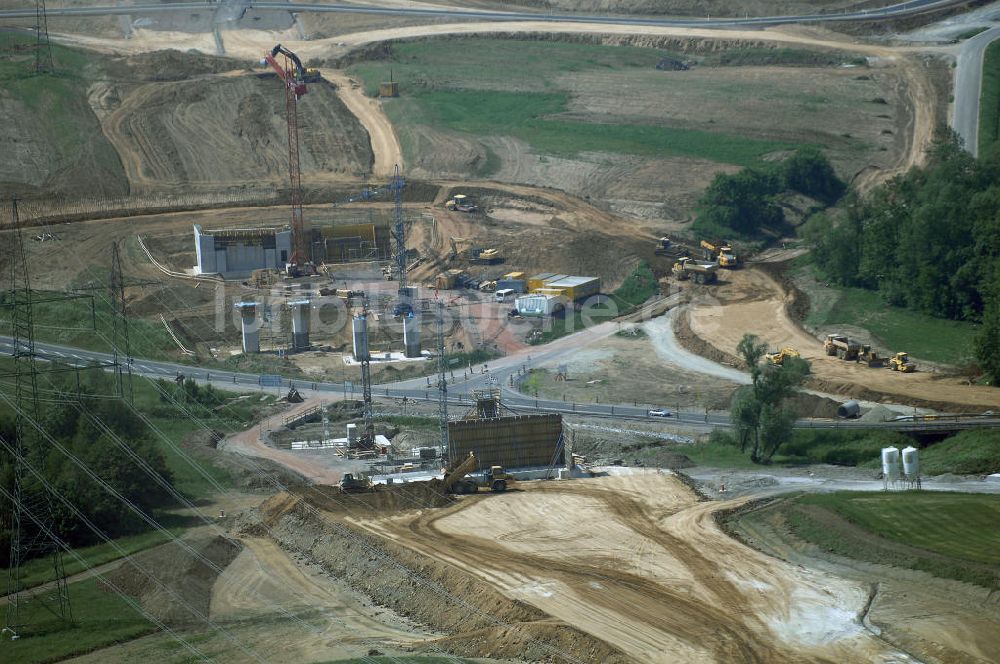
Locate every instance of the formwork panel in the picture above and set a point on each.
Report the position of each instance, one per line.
(517, 441)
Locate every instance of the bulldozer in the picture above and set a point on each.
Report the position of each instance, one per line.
(871, 357)
(777, 358)
(360, 484)
(461, 203)
(457, 482)
(901, 362)
(842, 347)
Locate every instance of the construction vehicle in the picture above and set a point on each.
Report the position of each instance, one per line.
(778, 357)
(487, 256)
(312, 75)
(387, 273)
(488, 286)
(842, 347)
(456, 480)
(721, 252)
(455, 243)
(901, 362)
(293, 75)
(702, 273)
(666, 247)
(461, 203)
(871, 357)
(263, 278)
(351, 484)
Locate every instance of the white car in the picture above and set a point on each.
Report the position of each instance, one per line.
(658, 412)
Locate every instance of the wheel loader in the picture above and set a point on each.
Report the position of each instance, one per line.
(901, 362)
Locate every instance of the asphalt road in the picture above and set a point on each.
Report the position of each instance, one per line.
(459, 393)
(968, 87)
(892, 11)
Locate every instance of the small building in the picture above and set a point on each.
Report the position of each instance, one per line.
(570, 287)
(235, 253)
(539, 305)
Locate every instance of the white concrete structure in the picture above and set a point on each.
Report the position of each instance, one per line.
(411, 335)
(236, 252)
(250, 326)
(301, 310)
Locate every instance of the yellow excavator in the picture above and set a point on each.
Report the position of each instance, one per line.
(455, 480)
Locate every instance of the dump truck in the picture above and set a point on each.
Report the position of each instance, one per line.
(461, 203)
(778, 357)
(702, 273)
(456, 480)
(351, 484)
(901, 362)
(842, 347)
(722, 252)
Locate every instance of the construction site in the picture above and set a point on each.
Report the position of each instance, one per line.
(344, 333)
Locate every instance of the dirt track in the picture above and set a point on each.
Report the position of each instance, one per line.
(638, 562)
(752, 302)
(384, 143)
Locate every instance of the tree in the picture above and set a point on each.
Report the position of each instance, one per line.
(809, 172)
(987, 343)
(741, 203)
(760, 418)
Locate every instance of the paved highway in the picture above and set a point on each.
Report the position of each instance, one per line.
(968, 87)
(892, 11)
(417, 390)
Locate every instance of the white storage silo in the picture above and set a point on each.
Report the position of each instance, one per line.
(911, 462)
(890, 463)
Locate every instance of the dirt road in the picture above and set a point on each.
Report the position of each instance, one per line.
(636, 561)
(369, 112)
(248, 443)
(752, 302)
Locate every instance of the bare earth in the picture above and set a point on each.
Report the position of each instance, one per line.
(637, 562)
(751, 302)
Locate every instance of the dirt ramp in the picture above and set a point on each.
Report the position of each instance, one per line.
(478, 618)
(171, 584)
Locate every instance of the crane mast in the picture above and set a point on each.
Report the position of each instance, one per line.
(293, 74)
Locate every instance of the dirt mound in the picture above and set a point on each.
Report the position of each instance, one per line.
(174, 65)
(171, 584)
(532, 642)
(229, 130)
(811, 405)
(385, 499)
(479, 619)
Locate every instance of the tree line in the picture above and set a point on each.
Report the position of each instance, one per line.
(77, 426)
(928, 240)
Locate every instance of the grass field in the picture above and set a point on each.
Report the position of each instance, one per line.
(100, 619)
(67, 140)
(39, 570)
(405, 659)
(923, 336)
(88, 323)
(989, 99)
(949, 535)
(476, 97)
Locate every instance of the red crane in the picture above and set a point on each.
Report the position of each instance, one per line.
(293, 74)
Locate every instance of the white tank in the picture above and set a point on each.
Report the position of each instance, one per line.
(890, 462)
(911, 462)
